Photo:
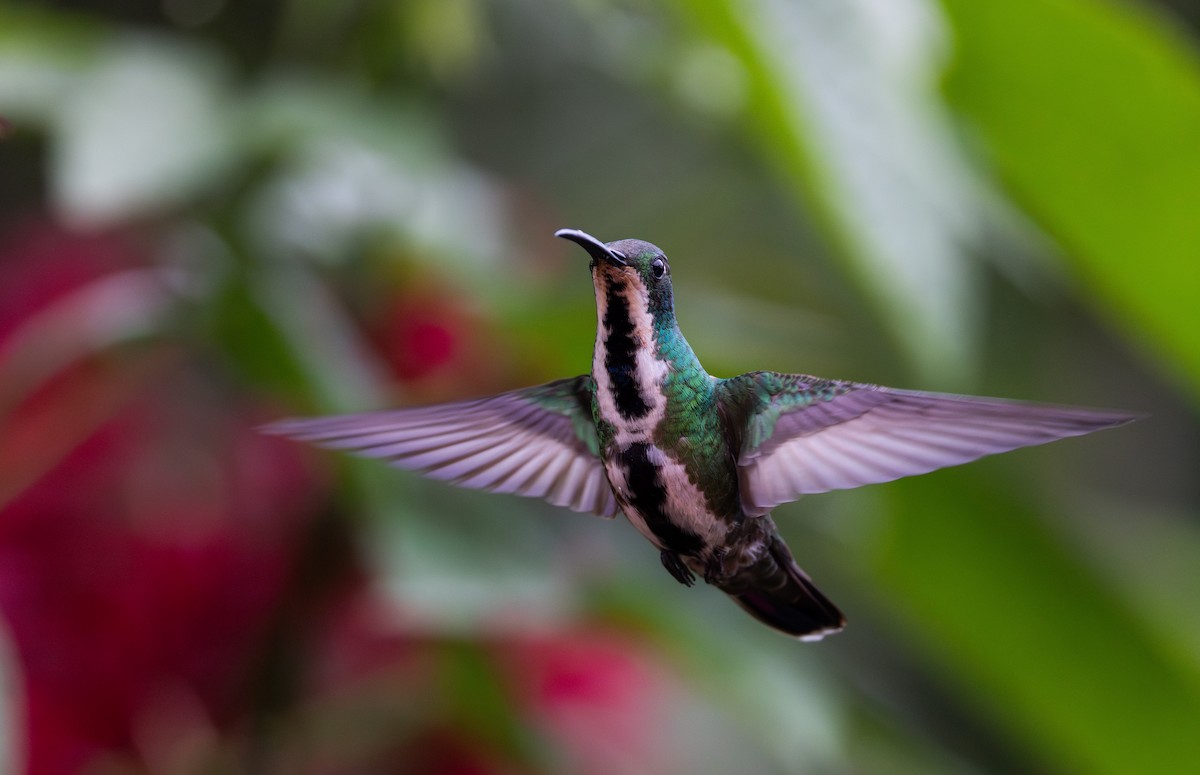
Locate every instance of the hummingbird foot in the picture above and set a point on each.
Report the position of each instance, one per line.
(674, 565)
(714, 569)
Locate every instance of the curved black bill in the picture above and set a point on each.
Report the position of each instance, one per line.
(595, 248)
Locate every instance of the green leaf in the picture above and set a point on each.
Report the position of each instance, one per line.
(1038, 639)
(1091, 114)
(840, 94)
(146, 127)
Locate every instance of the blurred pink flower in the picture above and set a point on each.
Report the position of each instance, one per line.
(40, 263)
(151, 544)
(598, 694)
(146, 536)
(420, 335)
(434, 343)
(586, 701)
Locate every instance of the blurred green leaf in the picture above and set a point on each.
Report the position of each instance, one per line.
(1157, 573)
(1090, 111)
(115, 157)
(841, 95)
(351, 167)
(483, 704)
(1036, 638)
(40, 55)
(252, 342)
(445, 34)
(302, 324)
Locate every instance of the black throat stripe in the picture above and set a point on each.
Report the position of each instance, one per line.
(620, 357)
(649, 496)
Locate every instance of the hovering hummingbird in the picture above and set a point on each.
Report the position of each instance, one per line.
(694, 462)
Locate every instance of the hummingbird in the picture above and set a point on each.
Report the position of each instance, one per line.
(696, 463)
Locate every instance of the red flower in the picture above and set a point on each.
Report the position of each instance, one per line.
(149, 546)
(599, 695)
(435, 344)
(146, 536)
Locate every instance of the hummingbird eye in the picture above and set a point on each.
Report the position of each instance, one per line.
(658, 268)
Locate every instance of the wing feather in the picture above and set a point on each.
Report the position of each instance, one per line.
(536, 442)
(807, 435)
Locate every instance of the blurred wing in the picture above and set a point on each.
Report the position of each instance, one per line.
(539, 442)
(807, 435)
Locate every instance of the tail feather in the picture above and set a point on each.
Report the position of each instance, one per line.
(794, 605)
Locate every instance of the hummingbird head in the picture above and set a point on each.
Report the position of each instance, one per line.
(632, 269)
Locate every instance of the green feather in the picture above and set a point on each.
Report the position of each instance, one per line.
(571, 398)
(760, 397)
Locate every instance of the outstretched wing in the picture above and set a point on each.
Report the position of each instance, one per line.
(539, 442)
(805, 434)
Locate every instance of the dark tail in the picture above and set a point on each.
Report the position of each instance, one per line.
(784, 597)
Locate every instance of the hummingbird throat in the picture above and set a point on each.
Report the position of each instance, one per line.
(631, 372)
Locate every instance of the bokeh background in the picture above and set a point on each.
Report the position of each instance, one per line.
(216, 213)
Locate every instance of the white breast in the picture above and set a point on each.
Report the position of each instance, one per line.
(650, 373)
(685, 504)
